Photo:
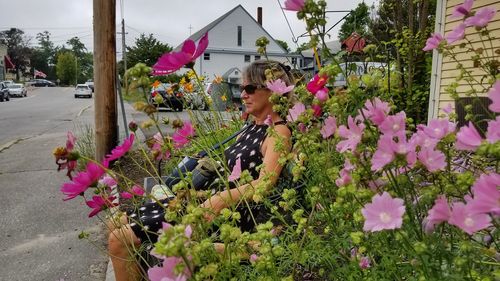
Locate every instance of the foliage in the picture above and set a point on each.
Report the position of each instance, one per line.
(84, 60)
(66, 68)
(147, 50)
(357, 21)
(284, 45)
(17, 48)
(43, 57)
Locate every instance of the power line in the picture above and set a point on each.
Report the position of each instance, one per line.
(288, 23)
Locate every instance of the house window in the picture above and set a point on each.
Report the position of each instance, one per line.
(206, 56)
(247, 58)
(257, 57)
(239, 35)
(294, 61)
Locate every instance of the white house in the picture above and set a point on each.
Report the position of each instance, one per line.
(232, 47)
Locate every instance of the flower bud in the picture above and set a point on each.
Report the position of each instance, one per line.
(132, 126)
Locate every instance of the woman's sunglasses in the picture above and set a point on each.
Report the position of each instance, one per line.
(250, 89)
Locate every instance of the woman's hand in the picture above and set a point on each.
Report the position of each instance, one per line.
(215, 204)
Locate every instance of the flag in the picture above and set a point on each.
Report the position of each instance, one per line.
(39, 73)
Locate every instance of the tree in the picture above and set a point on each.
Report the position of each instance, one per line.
(66, 68)
(43, 57)
(284, 45)
(85, 60)
(147, 50)
(357, 21)
(17, 48)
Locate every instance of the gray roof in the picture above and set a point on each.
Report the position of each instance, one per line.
(197, 35)
(227, 73)
(334, 47)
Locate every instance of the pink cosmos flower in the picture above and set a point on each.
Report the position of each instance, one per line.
(322, 94)
(317, 83)
(384, 153)
(384, 212)
(494, 95)
(65, 159)
(394, 125)
(462, 10)
(468, 138)
(136, 190)
(376, 110)
(463, 218)
(352, 135)
(82, 181)
(120, 150)
(364, 263)
(171, 62)
(439, 213)
(279, 87)
(329, 127)
(493, 132)
(486, 195)
(294, 5)
(158, 147)
(70, 142)
(439, 128)
(295, 111)
(181, 136)
(433, 42)
(108, 181)
(344, 179)
(458, 33)
(433, 160)
(99, 203)
(166, 271)
(481, 18)
(235, 174)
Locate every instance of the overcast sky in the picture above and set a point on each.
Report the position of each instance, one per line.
(167, 20)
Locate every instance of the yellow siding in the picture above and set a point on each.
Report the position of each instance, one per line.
(448, 67)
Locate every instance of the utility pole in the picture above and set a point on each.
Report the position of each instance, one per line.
(124, 54)
(106, 132)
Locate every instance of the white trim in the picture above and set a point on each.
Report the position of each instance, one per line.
(437, 62)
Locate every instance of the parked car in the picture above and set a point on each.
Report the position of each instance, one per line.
(90, 83)
(172, 98)
(82, 90)
(41, 83)
(4, 92)
(17, 90)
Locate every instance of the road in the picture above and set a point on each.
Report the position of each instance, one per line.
(39, 232)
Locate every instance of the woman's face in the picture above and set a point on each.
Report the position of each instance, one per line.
(256, 102)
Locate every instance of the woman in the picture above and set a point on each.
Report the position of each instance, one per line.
(252, 148)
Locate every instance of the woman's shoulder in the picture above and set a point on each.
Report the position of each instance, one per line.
(282, 129)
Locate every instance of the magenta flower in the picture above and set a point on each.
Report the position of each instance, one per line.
(468, 138)
(376, 110)
(70, 142)
(462, 10)
(120, 150)
(317, 111)
(439, 213)
(182, 136)
(384, 154)
(294, 5)
(136, 190)
(82, 181)
(364, 263)
(433, 160)
(295, 111)
(439, 128)
(352, 135)
(108, 181)
(166, 271)
(384, 212)
(420, 138)
(458, 33)
(493, 132)
(171, 62)
(394, 125)
(486, 195)
(344, 179)
(494, 95)
(99, 203)
(254, 258)
(268, 121)
(235, 174)
(433, 42)
(329, 127)
(279, 87)
(317, 83)
(322, 94)
(159, 149)
(481, 18)
(464, 219)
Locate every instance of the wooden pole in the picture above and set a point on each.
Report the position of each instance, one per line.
(106, 132)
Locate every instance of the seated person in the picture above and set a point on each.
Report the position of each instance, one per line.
(253, 148)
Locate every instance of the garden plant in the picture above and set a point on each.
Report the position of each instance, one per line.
(365, 195)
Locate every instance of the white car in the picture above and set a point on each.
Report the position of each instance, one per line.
(17, 90)
(83, 90)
